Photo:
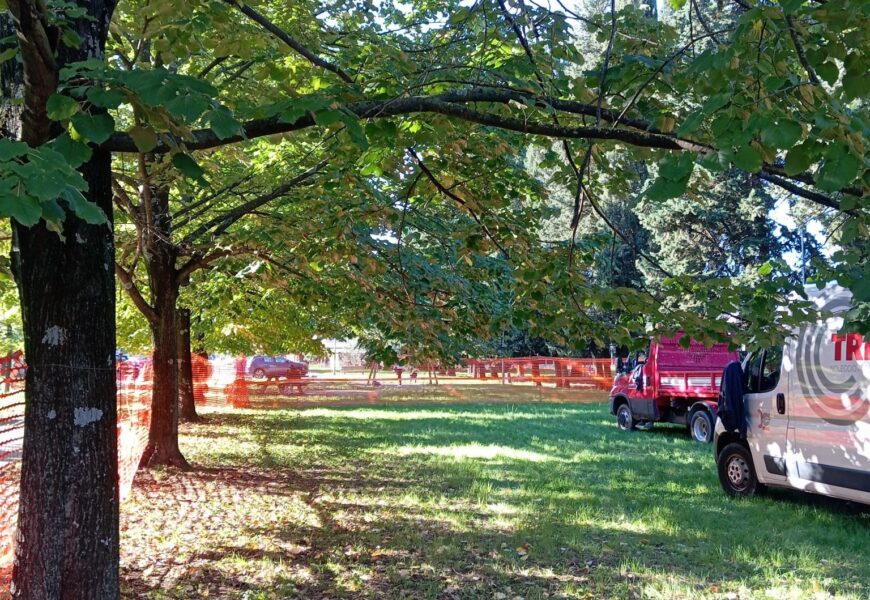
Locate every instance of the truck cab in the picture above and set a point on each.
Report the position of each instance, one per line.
(807, 411)
(671, 383)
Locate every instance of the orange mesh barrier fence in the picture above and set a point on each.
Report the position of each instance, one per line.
(134, 412)
(561, 372)
(240, 382)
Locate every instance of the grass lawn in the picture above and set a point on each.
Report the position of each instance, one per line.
(447, 499)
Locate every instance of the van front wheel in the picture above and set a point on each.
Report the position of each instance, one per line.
(624, 419)
(737, 472)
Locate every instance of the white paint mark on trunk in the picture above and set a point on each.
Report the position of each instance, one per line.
(54, 336)
(51, 414)
(84, 416)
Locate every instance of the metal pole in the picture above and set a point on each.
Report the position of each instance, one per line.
(803, 255)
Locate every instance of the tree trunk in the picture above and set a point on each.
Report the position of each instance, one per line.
(162, 448)
(185, 368)
(67, 539)
(67, 543)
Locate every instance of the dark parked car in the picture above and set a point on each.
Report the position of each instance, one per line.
(267, 367)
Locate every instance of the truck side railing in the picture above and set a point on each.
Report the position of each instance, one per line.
(689, 384)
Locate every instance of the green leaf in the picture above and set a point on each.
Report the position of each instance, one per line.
(11, 149)
(95, 128)
(355, 130)
(664, 189)
(856, 83)
(748, 159)
(784, 134)
(7, 54)
(677, 167)
(105, 98)
(45, 185)
(829, 72)
(691, 123)
(22, 208)
(840, 168)
(861, 290)
(70, 38)
(848, 203)
(75, 153)
(773, 83)
(715, 161)
(328, 117)
(187, 106)
(145, 138)
(765, 269)
(790, 6)
(798, 159)
(188, 167)
(715, 102)
(84, 209)
(223, 123)
(54, 216)
(300, 107)
(60, 108)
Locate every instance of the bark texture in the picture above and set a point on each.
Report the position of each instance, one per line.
(186, 399)
(162, 448)
(67, 536)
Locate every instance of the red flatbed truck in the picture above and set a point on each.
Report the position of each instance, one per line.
(674, 385)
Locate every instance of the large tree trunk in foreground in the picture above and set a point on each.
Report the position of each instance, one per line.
(186, 400)
(67, 538)
(67, 543)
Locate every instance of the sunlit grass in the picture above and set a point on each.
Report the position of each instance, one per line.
(501, 501)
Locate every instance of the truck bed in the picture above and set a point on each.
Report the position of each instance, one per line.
(682, 383)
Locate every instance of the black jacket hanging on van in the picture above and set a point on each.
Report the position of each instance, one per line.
(731, 409)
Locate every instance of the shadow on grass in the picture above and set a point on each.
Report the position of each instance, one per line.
(474, 501)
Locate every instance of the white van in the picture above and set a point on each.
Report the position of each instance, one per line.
(808, 412)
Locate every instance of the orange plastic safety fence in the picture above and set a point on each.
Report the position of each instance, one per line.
(134, 413)
(562, 372)
(234, 382)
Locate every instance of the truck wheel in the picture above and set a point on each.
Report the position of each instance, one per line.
(624, 418)
(737, 471)
(701, 426)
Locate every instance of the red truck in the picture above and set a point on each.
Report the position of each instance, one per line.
(673, 385)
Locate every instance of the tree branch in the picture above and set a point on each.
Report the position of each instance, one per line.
(39, 67)
(135, 295)
(802, 57)
(198, 262)
(285, 37)
(452, 104)
(440, 187)
(223, 222)
(804, 193)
